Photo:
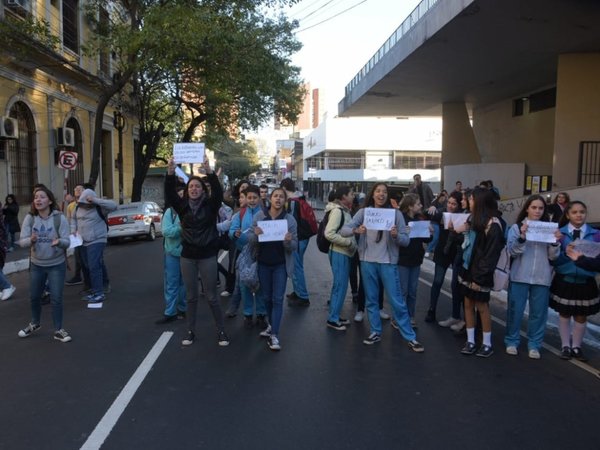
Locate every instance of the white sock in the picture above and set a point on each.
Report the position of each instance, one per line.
(487, 338)
(471, 335)
(564, 328)
(578, 332)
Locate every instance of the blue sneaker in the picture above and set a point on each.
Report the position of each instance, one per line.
(95, 298)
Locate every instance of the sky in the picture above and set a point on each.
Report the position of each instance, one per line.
(334, 51)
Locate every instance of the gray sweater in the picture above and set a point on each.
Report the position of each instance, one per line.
(87, 222)
(42, 252)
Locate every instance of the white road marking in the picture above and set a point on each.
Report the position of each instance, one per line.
(222, 256)
(551, 349)
(106, 424)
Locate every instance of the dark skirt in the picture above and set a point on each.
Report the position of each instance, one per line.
(473, 291)
(574, 299)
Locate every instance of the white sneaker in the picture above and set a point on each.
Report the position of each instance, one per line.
(512, 350)
(7, 293)
(448, 322)
(266, 332)
(359, 316)
(225, 293)
(426, 255)
(273, 343)
(458, 325)
(534, 354)
(384, 315)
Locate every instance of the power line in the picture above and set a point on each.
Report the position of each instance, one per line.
(324, 11)
(304, 9)
(332, 17)
(313, 12)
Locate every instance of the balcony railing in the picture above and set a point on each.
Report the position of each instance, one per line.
(414, 17)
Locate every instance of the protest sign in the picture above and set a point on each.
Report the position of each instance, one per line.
(379, 218)
(457, 219)
(189, 152)
(273, 230)
(590, 249)
(541, 231)
(419, 229)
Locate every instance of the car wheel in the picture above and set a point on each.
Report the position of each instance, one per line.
(151, 234)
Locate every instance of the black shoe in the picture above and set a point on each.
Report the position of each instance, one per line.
(566, 353)
(291, 295)
(336, 326)
(298, 301)
(223, 340)
(344, 321)
(248, 322)
(430, 317)
(73, 281)
(261, 321)
(469, 349)
(485, 351)
(578, 354)
(189, 340)
(180, 315)
(166, 319)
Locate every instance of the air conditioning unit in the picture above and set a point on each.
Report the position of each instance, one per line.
(66, 137)
(9, 128)
(22, 5)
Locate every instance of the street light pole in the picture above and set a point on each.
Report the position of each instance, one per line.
(119, 124)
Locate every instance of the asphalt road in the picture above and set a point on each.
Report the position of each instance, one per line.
(324, 390)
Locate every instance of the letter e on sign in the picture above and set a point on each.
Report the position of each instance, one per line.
(67, 160)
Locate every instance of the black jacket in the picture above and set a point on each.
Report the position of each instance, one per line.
(199, 235)
(485, 255)
(11, 217)
(412, 255)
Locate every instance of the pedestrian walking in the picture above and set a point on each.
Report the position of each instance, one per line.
(558, 206)
(77, 277)
(423, 190)
(530, 279)
(378, 252)
(574, 291)
(199, 244)
(275, 263)
(46, 231)
(6, 289)
(10, 211)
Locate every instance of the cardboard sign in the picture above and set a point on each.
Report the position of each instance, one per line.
(379, 218)
(188, 152)
(273, 230)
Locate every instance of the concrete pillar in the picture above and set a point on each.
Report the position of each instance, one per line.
(577, 113)
(458, 141)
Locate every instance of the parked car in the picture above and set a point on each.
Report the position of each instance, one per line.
(138, 219)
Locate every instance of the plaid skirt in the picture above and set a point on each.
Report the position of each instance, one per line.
(574, 299)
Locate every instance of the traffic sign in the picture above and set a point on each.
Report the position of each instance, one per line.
(67, 160)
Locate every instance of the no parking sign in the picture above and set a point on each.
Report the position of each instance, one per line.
(67, 160)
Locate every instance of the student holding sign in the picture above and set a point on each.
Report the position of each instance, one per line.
(275, 263)
(198, 212)
(574, 292)
(378, 253)
(530, 278)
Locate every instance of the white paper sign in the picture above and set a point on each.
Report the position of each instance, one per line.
(94, 305)
(181, 174)
(457, 219)
(590, 249)
(379, 218)
(541, 231)
(419, 229)
(188, 152)
(75, 240)
(273, 230)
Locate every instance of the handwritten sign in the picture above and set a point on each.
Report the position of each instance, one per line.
(379, 218)
(189, 152)
(457, 219)
(419, 229)
(541, 231)
(273, 230)
(590, 249)
(75, 240)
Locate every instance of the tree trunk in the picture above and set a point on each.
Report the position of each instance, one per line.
(141, 161)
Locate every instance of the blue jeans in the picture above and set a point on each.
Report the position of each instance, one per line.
(538, 296)
(298, 280)
(55, 275)
(174, 289)
(92, 260)
(436, 236)
(340, 266)
(409, 281)
(248, 301)
(388, 274)
(436, 286)
(272, 289)
(4, 283)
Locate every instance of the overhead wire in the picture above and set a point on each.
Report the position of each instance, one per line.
(332, 17)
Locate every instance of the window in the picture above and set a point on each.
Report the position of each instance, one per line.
(104, 53)
(417, 160)
(22, 154)
(70, 24)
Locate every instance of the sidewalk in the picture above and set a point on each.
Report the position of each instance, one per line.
(16, 260)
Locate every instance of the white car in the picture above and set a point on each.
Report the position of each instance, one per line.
(138, 219)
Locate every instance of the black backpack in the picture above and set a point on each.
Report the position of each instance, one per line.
(322, 243)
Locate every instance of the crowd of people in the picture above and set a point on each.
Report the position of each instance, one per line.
(379, 264)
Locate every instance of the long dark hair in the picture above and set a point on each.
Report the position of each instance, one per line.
(369, 202)
(485, 207)
(564, 219)
(48, 192)
(341, 191)
(12, 197)
(532, 198)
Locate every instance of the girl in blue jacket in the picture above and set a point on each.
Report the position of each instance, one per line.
(574, 292)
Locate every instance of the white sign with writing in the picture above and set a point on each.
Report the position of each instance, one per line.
(273, 230)
(588, 248)
(457, 219)
(541, 231)
(419, 229)
(379, 218)
(188, 152)
(75, 240)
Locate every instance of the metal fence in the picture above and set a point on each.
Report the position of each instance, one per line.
(589, 163)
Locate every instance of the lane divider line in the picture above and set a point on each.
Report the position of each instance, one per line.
(107, 423)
